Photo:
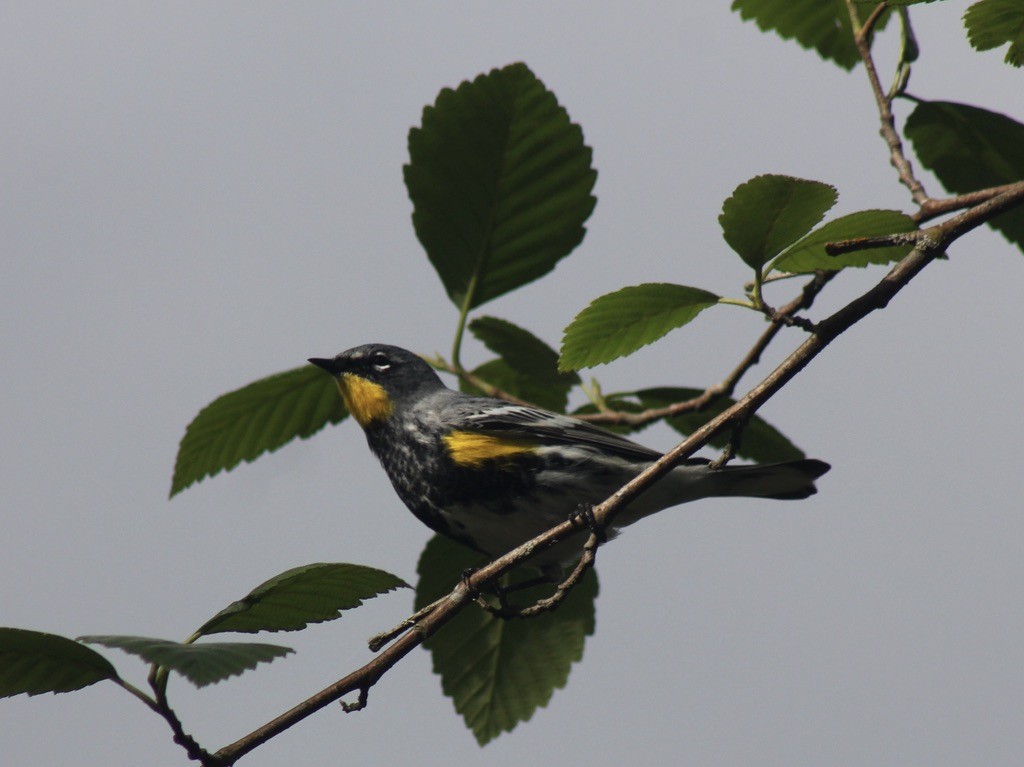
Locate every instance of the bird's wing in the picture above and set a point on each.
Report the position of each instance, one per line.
(548, 429)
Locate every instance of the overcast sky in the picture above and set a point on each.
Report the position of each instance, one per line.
(196, 195)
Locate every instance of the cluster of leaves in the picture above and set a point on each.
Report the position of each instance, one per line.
(32, 662)
(502, 185)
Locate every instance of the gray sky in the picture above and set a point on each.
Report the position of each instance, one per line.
(196, 195)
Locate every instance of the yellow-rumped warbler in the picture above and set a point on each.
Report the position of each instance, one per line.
(492, 474)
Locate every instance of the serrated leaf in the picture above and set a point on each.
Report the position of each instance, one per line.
(261, 417)
(528, 365)
(498, 672)
(302, 595)
(201, 664)
(761, 441)
(767, 214)
(819, 25)
(969, 149)
(809, 253)
(33, 662)
(500, 182)
(992, 23)
(619, 323)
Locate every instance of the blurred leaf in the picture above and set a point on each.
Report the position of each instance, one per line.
(820, 25)
(809, 253)
(529, 365)
(500, 182)
(969, 149)
(32, 662)
(303, 595)
(550, 395)
(616, 402)
(761, 441)
(498, 672)
(261, 417)
(619, 323)
(201, 664)
(767, 214)
(991, 23)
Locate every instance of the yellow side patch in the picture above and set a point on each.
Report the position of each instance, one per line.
(471, 449)
(365, 400)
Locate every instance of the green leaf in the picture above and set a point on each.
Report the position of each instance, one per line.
(32, 662)
(201, 664)
(991, 23)
(820, 25)
(809, 253)
(528, 367)
(761, 441)
(769, 213)
(302, 595)
(498, 672)
(969, 149)
(260, 417)
(500, 182)
(619, 323)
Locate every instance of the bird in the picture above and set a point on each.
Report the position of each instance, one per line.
(492, 474)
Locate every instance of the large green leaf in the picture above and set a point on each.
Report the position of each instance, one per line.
(500, 182)
(820, 25)
(302, 595)
(767, 214)
(809, 253)
(528, 367)
(32, 662)
(498, 672)
(969, 149)
(761, 441)
(263, 416)
(619, 323)
(992, 23)
(201, 664)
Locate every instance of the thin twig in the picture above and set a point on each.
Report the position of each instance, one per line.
(727, 385)
(862, 39)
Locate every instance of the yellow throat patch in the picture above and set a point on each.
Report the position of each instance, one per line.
(472, 449)
(365, 400)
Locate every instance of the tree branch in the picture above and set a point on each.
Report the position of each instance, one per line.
(932, 243)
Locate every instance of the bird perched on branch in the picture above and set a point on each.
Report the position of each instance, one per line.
(492, 474)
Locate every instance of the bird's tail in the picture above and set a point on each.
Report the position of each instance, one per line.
(788, 481)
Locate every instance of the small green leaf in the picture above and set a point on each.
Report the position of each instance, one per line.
(809, 253)
(619, 323)
(201, 664)
(528, 367)
(32, 663)
(761, 441)
(820, 25)
(769, 213)
(263, 416)
(500, 182)
(991, 23)
(969, 149)
(308, 594)
(498, 672)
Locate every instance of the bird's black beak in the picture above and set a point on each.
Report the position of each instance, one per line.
(331, 365)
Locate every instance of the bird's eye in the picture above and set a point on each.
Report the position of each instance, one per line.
(380, 362)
